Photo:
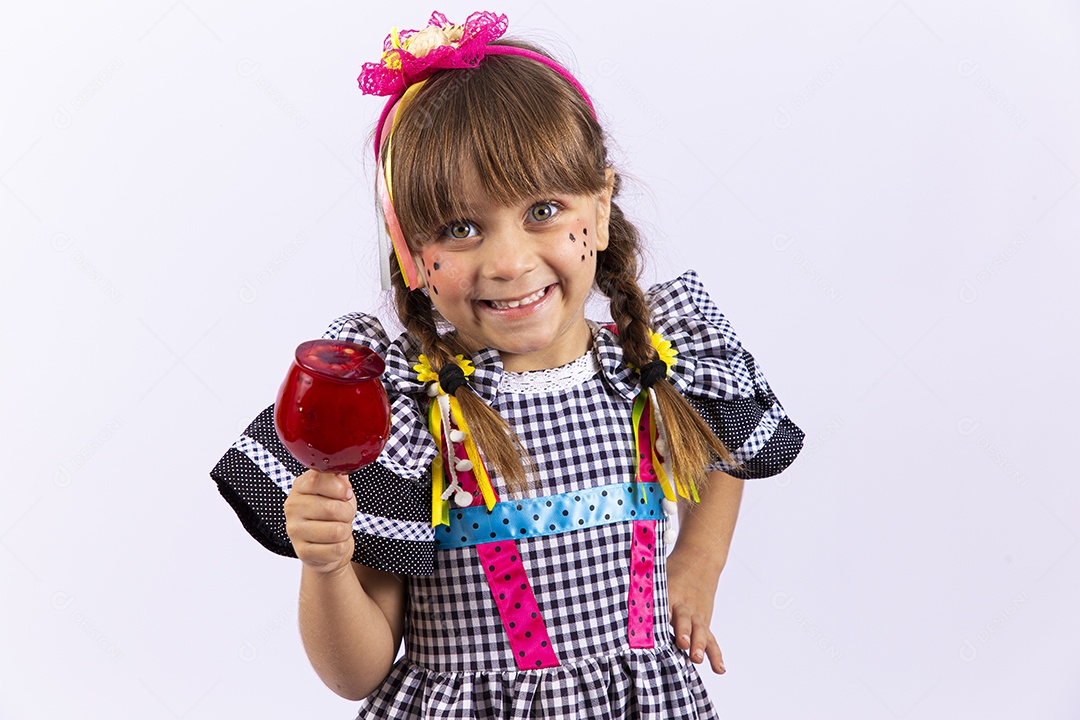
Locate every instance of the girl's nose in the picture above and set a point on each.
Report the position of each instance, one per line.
(510, 254)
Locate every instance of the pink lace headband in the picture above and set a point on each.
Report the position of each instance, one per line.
(409, 58)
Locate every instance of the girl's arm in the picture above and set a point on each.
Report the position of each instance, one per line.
(695, 564)
(351, 617)
(351, 622)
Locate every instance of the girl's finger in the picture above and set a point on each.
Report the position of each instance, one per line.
(699, 639)
(332, 509)
(716, 659)
(320, 532)
(680, 622)
(302, 508)
(328, 485)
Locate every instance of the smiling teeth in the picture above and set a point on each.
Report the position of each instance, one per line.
(498, 304)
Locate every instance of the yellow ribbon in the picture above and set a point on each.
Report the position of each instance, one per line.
(683, 489)
(440, 509)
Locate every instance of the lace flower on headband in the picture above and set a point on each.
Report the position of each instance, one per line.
(410, 56)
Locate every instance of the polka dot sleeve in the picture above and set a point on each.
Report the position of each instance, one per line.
(756, 430)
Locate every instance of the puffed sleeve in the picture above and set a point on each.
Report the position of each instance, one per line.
(723, 381)
(392, 528)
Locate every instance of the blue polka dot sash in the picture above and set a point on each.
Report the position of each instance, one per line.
(551, 515)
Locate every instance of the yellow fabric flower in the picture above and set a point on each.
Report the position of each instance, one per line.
(425, 373)
(465, 364)
(664, 349)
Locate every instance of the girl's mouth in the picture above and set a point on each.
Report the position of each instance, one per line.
(520, 302)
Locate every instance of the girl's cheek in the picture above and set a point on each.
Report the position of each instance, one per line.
(434, 268)
(586, 242)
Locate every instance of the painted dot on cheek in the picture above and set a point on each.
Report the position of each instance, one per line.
(582, 258)
(435, 289)
(572, 238)
(436, 266)
(585, 231)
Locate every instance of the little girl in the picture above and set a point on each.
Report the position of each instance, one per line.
(516, 529)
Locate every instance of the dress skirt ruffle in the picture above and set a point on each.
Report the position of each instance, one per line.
(655, 684)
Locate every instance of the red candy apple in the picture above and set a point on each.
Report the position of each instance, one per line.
(332, 412)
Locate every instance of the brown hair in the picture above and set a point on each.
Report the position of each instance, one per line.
(525, 132)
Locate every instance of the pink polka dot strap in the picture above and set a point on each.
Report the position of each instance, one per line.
(639, 601)
(517, 605)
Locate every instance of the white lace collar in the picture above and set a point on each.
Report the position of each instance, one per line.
(564, 377)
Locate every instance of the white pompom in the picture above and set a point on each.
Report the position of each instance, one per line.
(462, 498)
(463, 465)
(456, 436)
(670, 535)
(433, 389)
(671, 508)
(661, 447)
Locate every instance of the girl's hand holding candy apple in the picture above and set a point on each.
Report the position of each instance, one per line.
(318, 518)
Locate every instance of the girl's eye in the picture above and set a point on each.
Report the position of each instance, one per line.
(459, 230)
(543, 211)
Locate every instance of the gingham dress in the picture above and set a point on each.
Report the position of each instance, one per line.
(575, 421)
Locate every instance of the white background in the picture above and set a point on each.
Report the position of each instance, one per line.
(882, 197)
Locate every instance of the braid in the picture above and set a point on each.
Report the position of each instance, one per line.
(414, 310)
(616, 276)
(692, 443)
(500, 446)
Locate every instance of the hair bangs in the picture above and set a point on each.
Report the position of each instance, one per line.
(511, 127)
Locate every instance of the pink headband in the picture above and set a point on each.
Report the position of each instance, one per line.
(409, 58)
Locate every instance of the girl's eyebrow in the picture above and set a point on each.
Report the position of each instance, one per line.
(461, 208)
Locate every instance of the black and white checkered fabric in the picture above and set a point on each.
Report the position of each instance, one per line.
(457, 662)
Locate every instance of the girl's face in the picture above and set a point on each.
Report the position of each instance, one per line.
(515, 277)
